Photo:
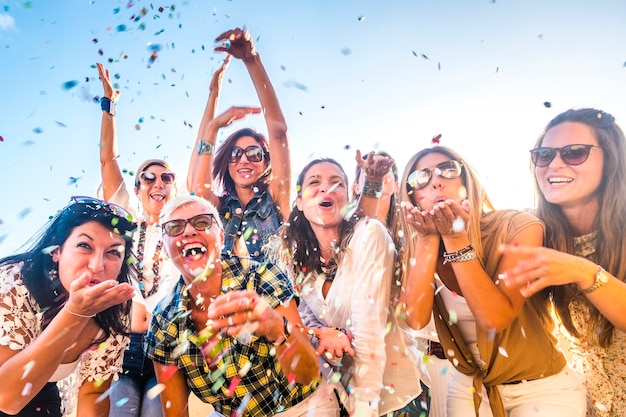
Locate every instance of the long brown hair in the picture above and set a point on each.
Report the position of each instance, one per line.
(295, 246)
(609, 221)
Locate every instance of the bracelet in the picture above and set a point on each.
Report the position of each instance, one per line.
(282, 339)
(84, 316)
(372, 189)
(205, 148)
(462, 255)
(109, 106)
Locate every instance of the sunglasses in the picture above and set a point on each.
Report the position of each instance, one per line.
(253, 153)
(420, 178)
(571, 154)
(148, 177)
(201, 222)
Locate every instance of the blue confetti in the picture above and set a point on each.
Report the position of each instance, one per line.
(68, 85)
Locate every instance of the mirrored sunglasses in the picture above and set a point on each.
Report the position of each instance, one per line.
(575, 154)
(201, 222)
(420, 178)
(148, 177)
(253, 153)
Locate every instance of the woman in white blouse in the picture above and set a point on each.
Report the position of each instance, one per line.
(64, 308)
(343, 272)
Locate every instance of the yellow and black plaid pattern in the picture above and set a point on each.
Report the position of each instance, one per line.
(262, 390)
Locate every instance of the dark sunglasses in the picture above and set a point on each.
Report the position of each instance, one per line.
(571, 154)
(420, 178)
(201, 222)
(253, 153)
(148, 177)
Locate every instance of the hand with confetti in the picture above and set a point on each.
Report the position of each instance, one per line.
(237, 42)
(376, 166)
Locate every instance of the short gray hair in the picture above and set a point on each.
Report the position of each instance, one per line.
(182, 200)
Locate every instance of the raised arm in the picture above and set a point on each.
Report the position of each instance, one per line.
(242, 47)
(199, 175)
(109, 167)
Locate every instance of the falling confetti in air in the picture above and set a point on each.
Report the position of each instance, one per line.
(547, 104)
(68, 85)
(436, 139)
(346, 51)
(361, 18)
(38, 130)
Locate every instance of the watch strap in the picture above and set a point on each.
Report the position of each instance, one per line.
(109, 106)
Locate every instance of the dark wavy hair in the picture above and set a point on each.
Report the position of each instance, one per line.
(298, 242)
(37, 261)
(609, 221)
(222, 156)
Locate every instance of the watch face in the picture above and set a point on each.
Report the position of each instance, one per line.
(602, 277)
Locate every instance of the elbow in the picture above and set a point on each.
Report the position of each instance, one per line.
(12, 406)
(492, 326)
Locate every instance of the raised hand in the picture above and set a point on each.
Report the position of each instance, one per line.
(374, 165)
(237, 42)
(107, 85)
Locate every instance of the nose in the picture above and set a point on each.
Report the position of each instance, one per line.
(96, 263)
(189, 229)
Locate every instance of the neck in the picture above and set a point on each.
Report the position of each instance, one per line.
(204, 286)
(581, 217)
(244, 194)
(328, 240)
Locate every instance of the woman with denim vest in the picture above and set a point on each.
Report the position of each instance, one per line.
(255, 193)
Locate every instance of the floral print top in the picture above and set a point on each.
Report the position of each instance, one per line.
(21, 323)
(604, 369)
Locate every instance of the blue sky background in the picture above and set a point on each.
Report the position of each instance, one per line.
(349, 74)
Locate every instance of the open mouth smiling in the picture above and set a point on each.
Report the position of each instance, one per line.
(193, 250)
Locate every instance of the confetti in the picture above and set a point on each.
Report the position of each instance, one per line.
(547, 104)
(346, 51)
(436, 139)
(1, 139)
(361, 18)
(38, 130)
(68, 85)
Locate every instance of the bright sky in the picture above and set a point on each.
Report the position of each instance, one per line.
(352, 74)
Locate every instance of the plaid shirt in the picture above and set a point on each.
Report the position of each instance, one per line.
(173, 340)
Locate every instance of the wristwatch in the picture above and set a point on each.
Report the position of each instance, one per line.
(108, 106)
(601, 278)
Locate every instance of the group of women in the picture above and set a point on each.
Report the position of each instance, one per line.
(261, 307)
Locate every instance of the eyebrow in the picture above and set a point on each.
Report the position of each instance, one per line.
(112, 245)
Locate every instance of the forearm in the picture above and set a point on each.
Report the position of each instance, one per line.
(36, 363)
(90, 403)
(609, 299)
(203, 133)
(297, 358)
(266, 93)
(175, 395)
(419, 286)
(109, 167)
(200, 177)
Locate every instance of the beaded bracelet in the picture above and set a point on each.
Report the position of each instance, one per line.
(462, 255)
(372, 189)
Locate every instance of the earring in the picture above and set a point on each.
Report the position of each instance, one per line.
(53, 273)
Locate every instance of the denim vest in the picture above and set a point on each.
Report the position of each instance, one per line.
(260, 219)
